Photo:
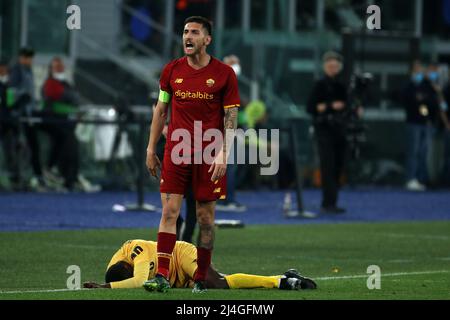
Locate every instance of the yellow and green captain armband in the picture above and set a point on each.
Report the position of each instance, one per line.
(164, 96)
(10, 97)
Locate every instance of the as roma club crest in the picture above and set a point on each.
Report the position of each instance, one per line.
(210, 82)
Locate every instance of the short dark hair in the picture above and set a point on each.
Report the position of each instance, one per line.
(26, 52)
(332, 55)
(207, 24)
(118, 272)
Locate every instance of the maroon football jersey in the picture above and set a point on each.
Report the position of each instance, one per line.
(198, 95)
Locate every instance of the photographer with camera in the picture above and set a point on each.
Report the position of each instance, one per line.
(327, 104)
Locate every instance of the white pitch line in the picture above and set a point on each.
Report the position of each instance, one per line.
(444, 259)
(418, 236)
(396, 274)
(319, 278)
(41, 291)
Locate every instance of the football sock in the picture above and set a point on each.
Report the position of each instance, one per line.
(249, 281)
(166, 243)
(203, 262)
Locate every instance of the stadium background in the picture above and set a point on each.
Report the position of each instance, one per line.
(119, 52)
(115, 60)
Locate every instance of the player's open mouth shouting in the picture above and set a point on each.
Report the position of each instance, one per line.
(189, 47)
(193, 40)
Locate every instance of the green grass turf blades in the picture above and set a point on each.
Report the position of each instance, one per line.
(38, 260)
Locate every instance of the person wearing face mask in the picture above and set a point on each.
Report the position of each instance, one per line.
(434, 79)
(9, 127)
(60, 102)
(442, 121)
(327, 104)
(422, 106)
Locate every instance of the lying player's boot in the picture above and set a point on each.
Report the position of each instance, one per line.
(289, 283)
(199, 287)
(158, 283)
(305, 283)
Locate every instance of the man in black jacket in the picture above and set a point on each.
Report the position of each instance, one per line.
(327, 104)
(422, 111)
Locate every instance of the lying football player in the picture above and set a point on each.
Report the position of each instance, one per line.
(135, 263)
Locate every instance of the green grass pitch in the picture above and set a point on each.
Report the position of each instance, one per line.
(414, 258)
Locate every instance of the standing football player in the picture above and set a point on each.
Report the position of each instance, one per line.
(203, 90)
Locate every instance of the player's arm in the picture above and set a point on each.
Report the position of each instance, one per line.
(156, 129)
(231, 102)
(140, 275)
(230, 125)
(219, 166)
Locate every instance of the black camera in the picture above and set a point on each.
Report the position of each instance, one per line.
(355, 128)
(359, 84)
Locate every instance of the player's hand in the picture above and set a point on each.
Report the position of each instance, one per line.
(218, 167)
(338, 105)
(321, 107)
(165, 131)
(93, 285)
(152, 163)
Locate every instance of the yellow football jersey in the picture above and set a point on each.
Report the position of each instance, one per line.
(141, 254)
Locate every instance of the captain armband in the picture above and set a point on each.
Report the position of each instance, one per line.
(164, 96)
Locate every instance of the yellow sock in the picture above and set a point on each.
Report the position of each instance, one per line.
(249, 281)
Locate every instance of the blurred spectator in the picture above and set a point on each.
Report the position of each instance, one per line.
(327, 104)
(443, 124)
(230, 203)
(446, 111)
(60, 103)
(9, 127)
(253, 116)
(22, 81)
(422, 105)
(433, 76)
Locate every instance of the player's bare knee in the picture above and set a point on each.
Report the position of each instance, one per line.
(170, 214)
(204, 217)
(205, 220)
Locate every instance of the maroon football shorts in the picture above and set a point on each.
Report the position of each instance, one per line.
(176, 179)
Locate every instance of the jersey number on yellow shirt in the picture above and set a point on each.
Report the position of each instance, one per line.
(136, 251)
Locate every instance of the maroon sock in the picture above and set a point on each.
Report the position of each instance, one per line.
(203, 262)
(166, 243)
